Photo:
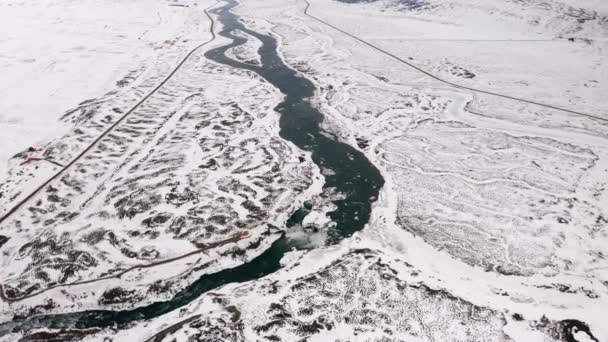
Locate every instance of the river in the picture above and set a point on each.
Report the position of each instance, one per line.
(353, 176)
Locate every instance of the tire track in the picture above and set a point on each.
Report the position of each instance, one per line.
(435, 77)
(115, 124)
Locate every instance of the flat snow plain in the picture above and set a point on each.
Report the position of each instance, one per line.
(56, 54)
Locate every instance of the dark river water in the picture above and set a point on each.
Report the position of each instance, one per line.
(353, 176)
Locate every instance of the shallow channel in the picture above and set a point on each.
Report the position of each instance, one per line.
(353, 176)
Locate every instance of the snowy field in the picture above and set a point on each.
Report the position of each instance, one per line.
(56, 54)
(491, 134)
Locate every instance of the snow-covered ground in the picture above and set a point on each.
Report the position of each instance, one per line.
(196, 161)
(501, 202)
(492, 224)
(56, 54)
